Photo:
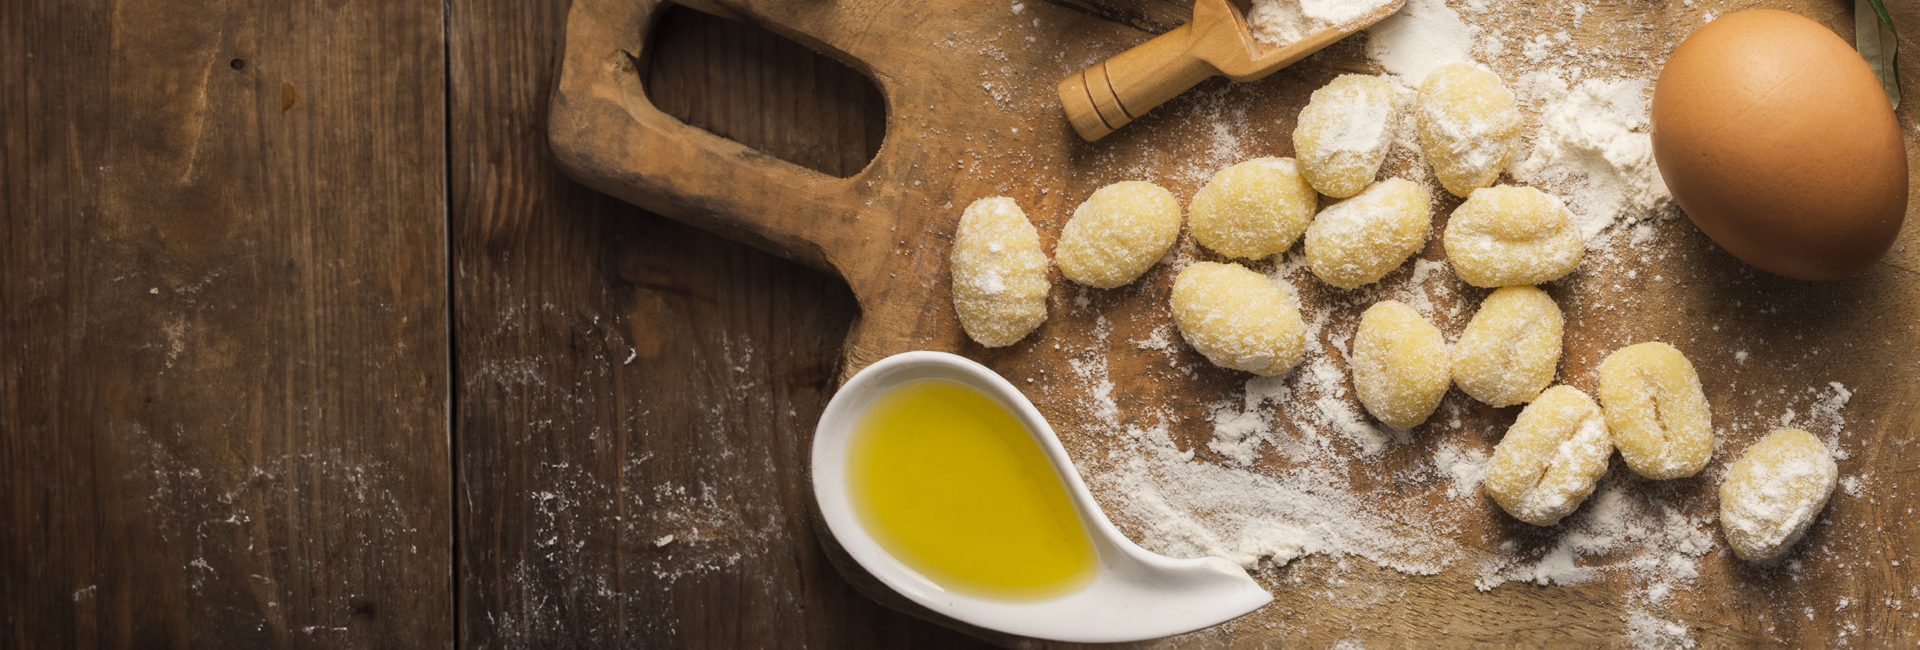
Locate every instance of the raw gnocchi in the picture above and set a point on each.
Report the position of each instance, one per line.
(1468, 126)
(1239, 319)
(999, 273)
(1657, 411)
(1253, 209)
(1774, 492)
(1550, 459)
(1503, 236)
(1360, 240)
(1509, 350)
(1399, 365)
(1117, 234)
(1342, 135)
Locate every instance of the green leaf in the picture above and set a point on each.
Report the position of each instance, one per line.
(1879, 44)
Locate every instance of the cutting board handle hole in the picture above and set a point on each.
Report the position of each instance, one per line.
(800, 106)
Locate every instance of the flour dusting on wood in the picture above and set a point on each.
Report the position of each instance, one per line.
(1277, 471)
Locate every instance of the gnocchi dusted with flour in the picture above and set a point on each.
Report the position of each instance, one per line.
(1253, 209)
(1343, 134)
(1550, 459)
(1774, 492)
(1399, 365)
(1657, 411)
(999, 274)
(1468, 126)
(1503, 236)
(1239, 319)
(1117, 234)
(1510, 349)
(1362, 239)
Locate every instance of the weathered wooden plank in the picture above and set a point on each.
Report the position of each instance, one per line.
(223, 362)
(635, 396)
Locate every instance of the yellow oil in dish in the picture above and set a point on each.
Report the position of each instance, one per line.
(951, 484)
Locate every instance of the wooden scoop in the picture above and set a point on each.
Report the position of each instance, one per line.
(1107, 96)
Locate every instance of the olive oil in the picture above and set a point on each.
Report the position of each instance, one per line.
(951, 484)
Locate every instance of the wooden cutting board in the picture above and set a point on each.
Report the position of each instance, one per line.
(972, 113)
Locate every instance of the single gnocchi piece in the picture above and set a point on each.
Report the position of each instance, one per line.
(1468, 126)
(1399, 365)
(1550, 459)
(1253, 209)
(1117, 234)
(1239, 319)
(1509, 350)
(999, 274)
(1774, 492)
(1503, 236)
(1657, 411)
(1343, 134)
(1360, 240)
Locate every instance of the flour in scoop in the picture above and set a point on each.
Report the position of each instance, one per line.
(1284, 22)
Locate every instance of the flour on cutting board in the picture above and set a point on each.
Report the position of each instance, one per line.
(1422, 36)
(1291, 466)
(1285, 468)
(1191, 508)
(1592, 147)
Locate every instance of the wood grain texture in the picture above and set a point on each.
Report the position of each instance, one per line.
(1151, 16)
(973, 115)
(223, 348)
(635, 396)
(808, 110)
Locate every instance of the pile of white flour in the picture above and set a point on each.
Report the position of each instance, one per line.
(1284, 22)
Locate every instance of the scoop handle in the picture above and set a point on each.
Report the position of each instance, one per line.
(1111, 93)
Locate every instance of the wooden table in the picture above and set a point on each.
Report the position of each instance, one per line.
(307, 341)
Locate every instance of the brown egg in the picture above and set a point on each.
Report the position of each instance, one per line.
(1778, 142)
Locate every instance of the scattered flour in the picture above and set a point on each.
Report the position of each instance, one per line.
(1648, 631)
(1093, 376)
(1237, 432)
(1624, 529)
(1823, 419)
(1826, 412)
(1422, 36)
(1347, 420)
(1592, 149)
(1189, 508)
(1854, 486)
(1161, 339)
(1465, 467)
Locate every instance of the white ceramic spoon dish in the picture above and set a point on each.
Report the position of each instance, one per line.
(1134, 595)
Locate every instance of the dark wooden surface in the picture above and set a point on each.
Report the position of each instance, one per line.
(282, 281)
(622, 378)
(223, 375)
